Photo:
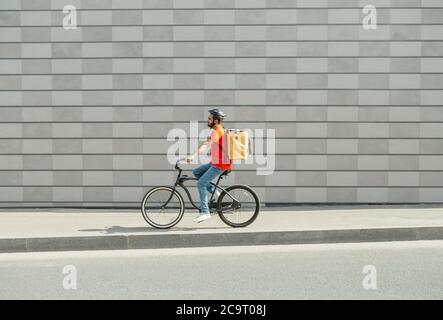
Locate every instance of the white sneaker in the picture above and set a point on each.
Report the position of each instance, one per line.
(202, 217)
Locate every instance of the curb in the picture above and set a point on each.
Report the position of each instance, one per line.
(155, 241)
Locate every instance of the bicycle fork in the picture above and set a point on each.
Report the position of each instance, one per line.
(170, 197)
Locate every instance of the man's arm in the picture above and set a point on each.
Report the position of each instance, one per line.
(201, 150)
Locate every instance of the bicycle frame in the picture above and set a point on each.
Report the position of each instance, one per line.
(180, 180)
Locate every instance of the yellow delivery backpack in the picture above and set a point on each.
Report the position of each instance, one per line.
(238, 144)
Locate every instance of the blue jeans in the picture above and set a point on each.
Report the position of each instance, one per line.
(205, 174)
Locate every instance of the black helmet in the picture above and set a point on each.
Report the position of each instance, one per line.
(217, 113)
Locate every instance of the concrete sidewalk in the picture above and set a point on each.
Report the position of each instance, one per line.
(64, 230)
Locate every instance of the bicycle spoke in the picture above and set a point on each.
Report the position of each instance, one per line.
(160, 213)
(248, 210)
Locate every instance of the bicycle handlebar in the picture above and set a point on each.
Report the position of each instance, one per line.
(176, 164)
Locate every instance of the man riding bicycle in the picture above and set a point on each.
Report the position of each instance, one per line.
(219, 161)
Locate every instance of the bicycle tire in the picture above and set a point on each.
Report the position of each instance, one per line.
(224, 215)
(153, 223)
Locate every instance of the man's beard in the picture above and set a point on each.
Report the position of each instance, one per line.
(211, 125)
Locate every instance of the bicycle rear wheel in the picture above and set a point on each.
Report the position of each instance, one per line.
(239, 207)
(162, 207)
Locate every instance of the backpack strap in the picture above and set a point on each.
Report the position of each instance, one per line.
(224, 135)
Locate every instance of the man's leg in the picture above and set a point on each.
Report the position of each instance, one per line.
(200, 170)
(202, 185)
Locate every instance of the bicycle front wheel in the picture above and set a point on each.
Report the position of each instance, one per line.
(239, 206)
(162, 207)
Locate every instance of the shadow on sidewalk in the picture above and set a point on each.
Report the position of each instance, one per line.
(119, 229)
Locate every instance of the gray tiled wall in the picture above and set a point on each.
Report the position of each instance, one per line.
(84, 113)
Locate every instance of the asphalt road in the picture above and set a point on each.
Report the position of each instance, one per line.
(394, 270)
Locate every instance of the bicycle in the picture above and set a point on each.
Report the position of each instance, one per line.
(163, 206)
